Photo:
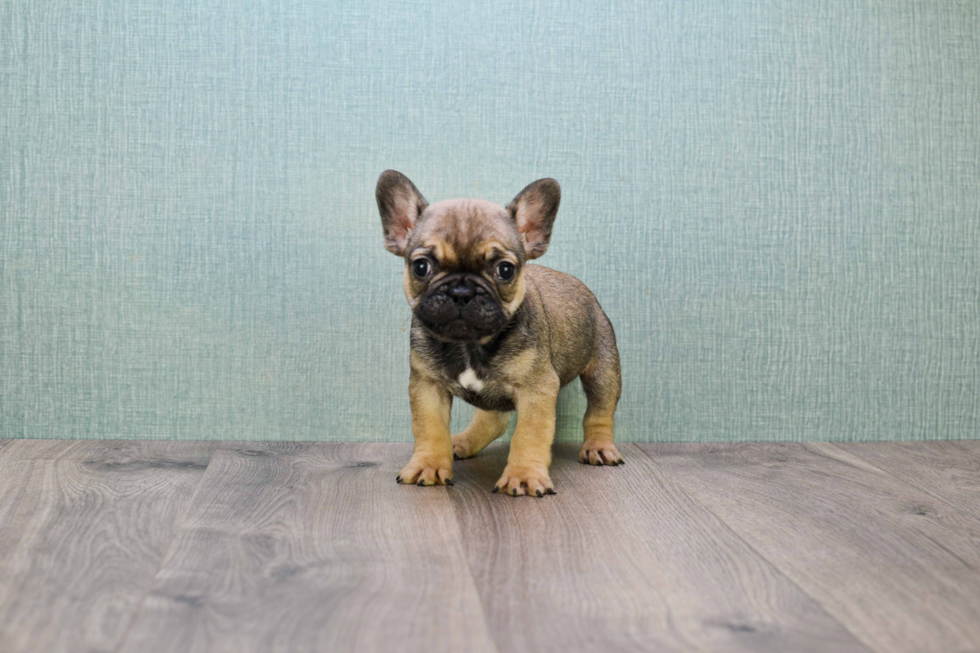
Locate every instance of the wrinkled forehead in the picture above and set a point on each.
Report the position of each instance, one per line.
(469, 231)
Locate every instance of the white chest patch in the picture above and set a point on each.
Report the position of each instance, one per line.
(469, 380)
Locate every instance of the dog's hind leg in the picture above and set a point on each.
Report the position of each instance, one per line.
(602, 383)
(486, 426)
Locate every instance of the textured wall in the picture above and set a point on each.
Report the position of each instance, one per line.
(776, 202)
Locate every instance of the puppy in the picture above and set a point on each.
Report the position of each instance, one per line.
(497, 332)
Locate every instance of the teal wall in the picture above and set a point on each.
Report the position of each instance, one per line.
(777, 203)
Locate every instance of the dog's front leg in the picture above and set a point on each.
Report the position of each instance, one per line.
(530, 448)
(432, 462)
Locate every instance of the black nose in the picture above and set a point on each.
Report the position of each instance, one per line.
(462, 291)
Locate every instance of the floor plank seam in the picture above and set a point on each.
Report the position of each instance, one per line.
(469, 569)
(166, 554)
(964, 515)
(755, 550)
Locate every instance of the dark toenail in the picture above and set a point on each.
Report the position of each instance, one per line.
(514, 493)
(421, 483)
(449, 481)
(496, 489)
(551, 491)
(455, 457)
(398, 479)
(540, 493)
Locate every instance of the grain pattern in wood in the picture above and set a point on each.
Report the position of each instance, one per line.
(313, 547)
(622, 559)
(895, 565)
(84, 526)
(948, 470)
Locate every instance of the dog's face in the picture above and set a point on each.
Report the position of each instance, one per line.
(464, 258)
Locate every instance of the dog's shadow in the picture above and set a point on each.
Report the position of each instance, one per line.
(482, 470)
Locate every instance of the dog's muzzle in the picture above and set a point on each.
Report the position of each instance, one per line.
(462, 309)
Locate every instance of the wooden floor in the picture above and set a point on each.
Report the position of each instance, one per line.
(142, 546)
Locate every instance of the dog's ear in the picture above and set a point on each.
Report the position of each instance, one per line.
(534, 211)
(400, 204)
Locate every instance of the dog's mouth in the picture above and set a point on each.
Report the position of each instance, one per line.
(461, 310)
(461, 331)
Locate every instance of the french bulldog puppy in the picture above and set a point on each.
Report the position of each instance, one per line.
(497, 332)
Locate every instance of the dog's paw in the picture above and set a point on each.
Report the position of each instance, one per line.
(462, 448)
(425, 469)
(600, 453)
(519, 481)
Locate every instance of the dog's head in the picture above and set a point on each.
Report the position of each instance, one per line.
(464, 258)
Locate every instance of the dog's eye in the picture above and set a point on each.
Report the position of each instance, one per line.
(505, 270)
(421, 267)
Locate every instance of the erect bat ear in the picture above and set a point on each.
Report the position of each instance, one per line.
(534, 211)
(400, 204)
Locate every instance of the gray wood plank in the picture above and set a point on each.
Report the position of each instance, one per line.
(313, 547)
(84, 526)
(948, 470)
(622, 559)
(898, 567)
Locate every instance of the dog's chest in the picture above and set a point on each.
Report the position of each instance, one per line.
(470, 380)
(471, 373)
(491, 393)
